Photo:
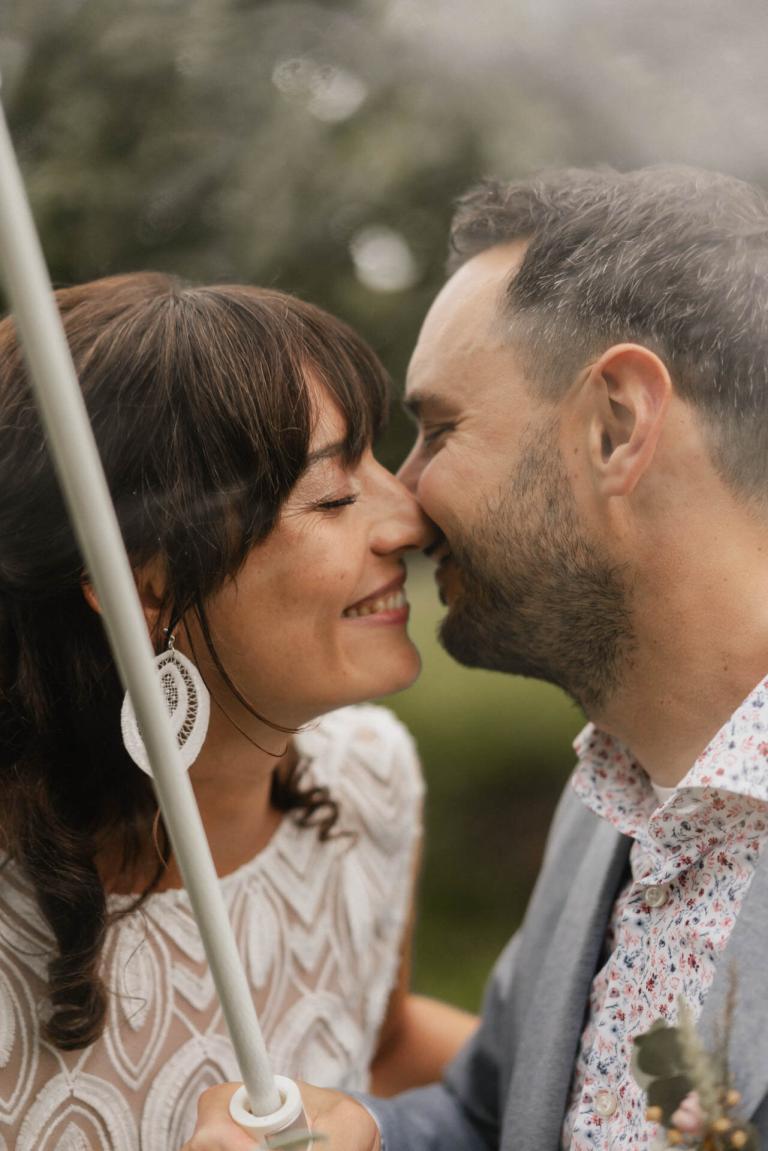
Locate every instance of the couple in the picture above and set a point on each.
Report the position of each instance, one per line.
(592, 466)
(591, 387)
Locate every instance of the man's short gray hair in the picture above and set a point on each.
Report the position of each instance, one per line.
(672, 258)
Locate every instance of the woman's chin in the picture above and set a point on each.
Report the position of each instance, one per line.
(386, 678)
(402, 674)
(404, 680)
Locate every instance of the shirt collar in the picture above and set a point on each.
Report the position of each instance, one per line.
(613, 784)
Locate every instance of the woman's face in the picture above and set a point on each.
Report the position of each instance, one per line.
(316, 618)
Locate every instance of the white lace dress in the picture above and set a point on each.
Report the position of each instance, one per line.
(319, 926)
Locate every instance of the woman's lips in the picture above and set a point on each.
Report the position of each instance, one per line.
(391, 607)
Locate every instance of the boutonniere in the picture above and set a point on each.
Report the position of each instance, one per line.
(689, 1089)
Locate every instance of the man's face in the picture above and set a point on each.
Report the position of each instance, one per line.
(528, 591)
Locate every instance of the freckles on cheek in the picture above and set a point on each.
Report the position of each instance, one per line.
(324, 594)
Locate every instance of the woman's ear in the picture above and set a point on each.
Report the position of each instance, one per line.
(151, 582)
(89, 594)
(631, 390)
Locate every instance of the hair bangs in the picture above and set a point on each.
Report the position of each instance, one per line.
(351, 375)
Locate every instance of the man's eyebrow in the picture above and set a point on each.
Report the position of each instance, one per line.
(417, 403)
(327, 452)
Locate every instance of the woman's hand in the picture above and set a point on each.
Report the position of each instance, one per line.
(346, 1124)
(216, 1130)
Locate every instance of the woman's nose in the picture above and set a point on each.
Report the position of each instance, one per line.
(402, 525)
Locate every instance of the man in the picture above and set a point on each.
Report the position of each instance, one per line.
(591, 388)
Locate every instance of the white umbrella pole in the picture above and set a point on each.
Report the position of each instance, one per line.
(74, 452)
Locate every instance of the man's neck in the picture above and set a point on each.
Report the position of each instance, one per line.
(702, 648)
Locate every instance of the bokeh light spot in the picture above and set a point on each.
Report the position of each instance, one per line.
(383, 260)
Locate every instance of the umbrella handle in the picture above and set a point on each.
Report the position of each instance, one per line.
(289, 1117)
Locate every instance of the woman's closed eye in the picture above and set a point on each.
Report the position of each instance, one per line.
(334, 504)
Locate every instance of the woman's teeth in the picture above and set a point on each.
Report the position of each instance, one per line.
(391, 602)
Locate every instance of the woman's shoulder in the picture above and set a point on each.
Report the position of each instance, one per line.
(364, 746)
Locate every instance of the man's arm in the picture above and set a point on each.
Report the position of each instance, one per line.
(462, 1114)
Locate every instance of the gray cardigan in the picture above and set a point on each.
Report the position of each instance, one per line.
(509, 1087)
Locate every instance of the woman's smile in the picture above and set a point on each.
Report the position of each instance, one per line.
(387, 605)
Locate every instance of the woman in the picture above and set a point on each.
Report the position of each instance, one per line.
(235, 426)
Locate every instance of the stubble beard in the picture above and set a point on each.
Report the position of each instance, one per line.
(536, 597)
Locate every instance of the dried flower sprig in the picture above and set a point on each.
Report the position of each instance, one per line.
(688, 1088)
(699, 1064)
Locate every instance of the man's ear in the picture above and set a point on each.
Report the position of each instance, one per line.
(150, 583)
(630, 393)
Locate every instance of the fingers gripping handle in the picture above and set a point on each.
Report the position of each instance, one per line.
(289, 1117)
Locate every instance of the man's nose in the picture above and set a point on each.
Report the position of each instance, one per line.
(409, 471)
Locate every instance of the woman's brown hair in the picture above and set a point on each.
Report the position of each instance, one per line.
(200, 404)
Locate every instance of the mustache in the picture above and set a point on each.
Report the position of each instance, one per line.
(434, 545)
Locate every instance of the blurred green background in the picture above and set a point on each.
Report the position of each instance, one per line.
(318, 147)
(496, 751)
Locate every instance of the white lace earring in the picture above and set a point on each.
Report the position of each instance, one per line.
(189, 707)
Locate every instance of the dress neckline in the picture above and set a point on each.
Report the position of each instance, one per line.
(261, 861)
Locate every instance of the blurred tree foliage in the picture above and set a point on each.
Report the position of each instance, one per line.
(254, 140)
(191, 135)
(264, 141)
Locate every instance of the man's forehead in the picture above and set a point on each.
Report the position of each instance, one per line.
(464, 320)
(484, 276)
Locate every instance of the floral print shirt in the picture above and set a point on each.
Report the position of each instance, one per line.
(691, 862)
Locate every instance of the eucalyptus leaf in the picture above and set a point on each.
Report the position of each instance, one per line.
(668, 1094)
(642, 1078)
(658, 1052)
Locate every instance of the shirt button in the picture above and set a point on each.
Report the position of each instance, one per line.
(605, 1103)
(656, 896)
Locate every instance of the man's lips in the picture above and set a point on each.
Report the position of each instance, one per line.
(446, 576)
(443, 565)
(437, 548)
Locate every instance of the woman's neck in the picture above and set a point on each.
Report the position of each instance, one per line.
(232, 781)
